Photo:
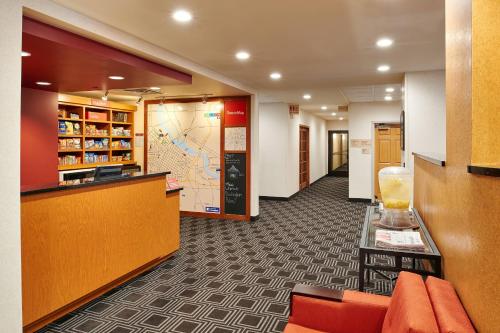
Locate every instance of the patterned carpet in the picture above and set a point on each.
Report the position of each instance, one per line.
(236, 277)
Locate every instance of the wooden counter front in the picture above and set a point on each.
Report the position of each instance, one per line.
(78, 244)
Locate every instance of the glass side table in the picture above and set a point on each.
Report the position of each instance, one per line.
(426, 262)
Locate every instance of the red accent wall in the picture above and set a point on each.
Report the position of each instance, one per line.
(38, 138)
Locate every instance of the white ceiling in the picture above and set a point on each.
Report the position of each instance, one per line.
(322, 47)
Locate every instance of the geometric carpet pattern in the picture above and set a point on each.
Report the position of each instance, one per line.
(232, 276)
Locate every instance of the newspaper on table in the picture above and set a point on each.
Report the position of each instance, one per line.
(403, 240)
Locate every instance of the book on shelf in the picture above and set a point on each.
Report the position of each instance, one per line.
(401, 240)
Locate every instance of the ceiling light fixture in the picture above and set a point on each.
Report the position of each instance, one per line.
(116, 77)
(105, 96)
(388, 98)
(383, 68)
(341, 118)
(324, 107)
(25, 54)
(334, 114)
(242, 55)
(43, 83)
(182, 16)
(154, 88)
(275, 76)
(384, 42)
(307, 96)
(389, 90)
(139, 100)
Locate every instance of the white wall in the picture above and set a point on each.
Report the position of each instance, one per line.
(273, 149)
(362, 117)
(425, 114)
(10, 115)
(279, 149)
(337, 125)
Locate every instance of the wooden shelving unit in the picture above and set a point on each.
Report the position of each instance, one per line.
(101, 121)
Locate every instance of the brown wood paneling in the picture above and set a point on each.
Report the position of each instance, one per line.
(462, 210)
(77, 241)
(303, 157)
(486, 82)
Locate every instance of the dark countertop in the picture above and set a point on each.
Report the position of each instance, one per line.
(432, 158)
(88, 182)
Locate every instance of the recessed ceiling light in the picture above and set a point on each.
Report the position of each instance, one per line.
(43, 83)
(25, 54)
(388, 98)
(275, 76)
(307, 96)
(116, 77)
(182, 16)
(334, 114)
(324, 107)
(154, 88)
(341, 118)
(383, 68)
(242, 55)
(384, 42)
(389, 90)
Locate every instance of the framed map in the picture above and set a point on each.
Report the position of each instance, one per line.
(184, 138)
(235, 138)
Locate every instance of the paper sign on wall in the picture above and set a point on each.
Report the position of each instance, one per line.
(235, 138)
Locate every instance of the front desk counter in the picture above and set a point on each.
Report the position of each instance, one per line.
(81, 240)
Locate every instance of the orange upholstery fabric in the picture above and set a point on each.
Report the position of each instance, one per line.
(357, 313)
(410, 310)
(292, 328)
(450, 314)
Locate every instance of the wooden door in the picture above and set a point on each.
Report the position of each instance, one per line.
(303, 157)
(387, 150)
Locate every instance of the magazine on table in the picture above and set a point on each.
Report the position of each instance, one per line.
(403, 240)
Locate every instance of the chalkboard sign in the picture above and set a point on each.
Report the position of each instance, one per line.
(235, 184)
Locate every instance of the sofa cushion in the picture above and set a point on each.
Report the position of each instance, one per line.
(292, 328)
(450, 314)
(410, 310)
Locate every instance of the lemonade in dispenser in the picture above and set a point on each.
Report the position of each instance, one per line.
(395, 186)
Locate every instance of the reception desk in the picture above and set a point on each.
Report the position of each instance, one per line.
(81, 240)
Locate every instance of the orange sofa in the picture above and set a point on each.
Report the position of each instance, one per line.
(415, 307)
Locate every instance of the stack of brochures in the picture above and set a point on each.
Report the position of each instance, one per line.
(401, 240)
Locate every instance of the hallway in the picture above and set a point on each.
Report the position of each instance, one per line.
(236, 277)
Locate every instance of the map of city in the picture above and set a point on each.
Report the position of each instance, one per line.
(185, 139)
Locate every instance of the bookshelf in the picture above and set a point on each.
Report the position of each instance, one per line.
(94, 133)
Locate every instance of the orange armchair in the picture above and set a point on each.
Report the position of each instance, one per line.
(415, 307)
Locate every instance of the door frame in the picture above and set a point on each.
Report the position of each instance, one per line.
(374, 124)
(308, 157)
(330, 152)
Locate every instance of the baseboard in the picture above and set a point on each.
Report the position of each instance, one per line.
(317, 180)
(360, 200)
(265, 197)
(255, 218)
